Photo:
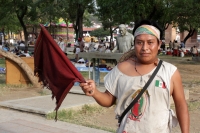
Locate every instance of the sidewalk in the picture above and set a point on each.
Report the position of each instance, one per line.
(21, 120)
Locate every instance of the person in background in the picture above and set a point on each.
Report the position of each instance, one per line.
(22, 44)
(163, 45)
(76, 51)
(168, 52)
(183, 51)
(61, 44)
(81, 44)
(175, 48)
(26, 53)
(170, 44)
(107, 50)
(152, 113)
(194, 51)
(124, 41)
(91, 47)
(101, 47)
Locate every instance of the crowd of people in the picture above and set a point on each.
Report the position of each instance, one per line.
(123, 43)
(100, 46)
(179, 49)
(17, 48)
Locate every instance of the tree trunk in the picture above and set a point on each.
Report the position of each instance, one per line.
(190, 34)
(111, 34)
(23, 65)
(66, 21)
(80, 27)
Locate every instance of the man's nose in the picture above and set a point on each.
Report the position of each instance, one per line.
(145, 46)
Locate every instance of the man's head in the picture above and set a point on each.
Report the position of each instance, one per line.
(147, 41)
(122, 29)
(79, 39)
(60, 38)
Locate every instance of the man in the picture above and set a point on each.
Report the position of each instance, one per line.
(163, 45)
(152, 113)
(61, 44)
(170, 45)
(91, 47)
(101, 47)
(194, 51)
(76, 51)
(175, 48)
(81, 44)
(124, 41)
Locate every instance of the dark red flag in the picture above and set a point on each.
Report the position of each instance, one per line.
(53, 67)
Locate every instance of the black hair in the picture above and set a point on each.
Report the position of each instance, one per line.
(147, 22)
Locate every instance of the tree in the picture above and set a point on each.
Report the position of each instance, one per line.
(74, 11)
(113, 13)
(106, 12)
(187, 16)
(10, 24)
(23, 10)
(99, 32)
(181, 13)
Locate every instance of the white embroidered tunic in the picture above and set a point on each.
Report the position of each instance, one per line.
(151, 114)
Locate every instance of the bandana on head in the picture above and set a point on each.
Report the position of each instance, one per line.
(147, 29)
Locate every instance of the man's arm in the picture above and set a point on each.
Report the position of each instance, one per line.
(105, 99)
(180, 102)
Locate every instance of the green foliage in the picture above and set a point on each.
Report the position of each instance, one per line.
(116, 12)
(16, 14)
(86, 19)
(181, 13)
(187, 14)
(99, 32)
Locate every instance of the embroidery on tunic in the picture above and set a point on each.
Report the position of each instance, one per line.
(137, 111)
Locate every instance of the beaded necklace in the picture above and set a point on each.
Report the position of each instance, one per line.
(134, 60)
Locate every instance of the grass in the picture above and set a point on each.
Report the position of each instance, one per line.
(2, 76)
(6, 88)
(86, 75)
(80, 116)
(2, 62)
(194, 105)
(2, 79)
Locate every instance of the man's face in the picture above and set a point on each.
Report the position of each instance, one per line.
(122, 31)
(146, 48)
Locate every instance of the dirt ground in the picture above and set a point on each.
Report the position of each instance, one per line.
(190, 73)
